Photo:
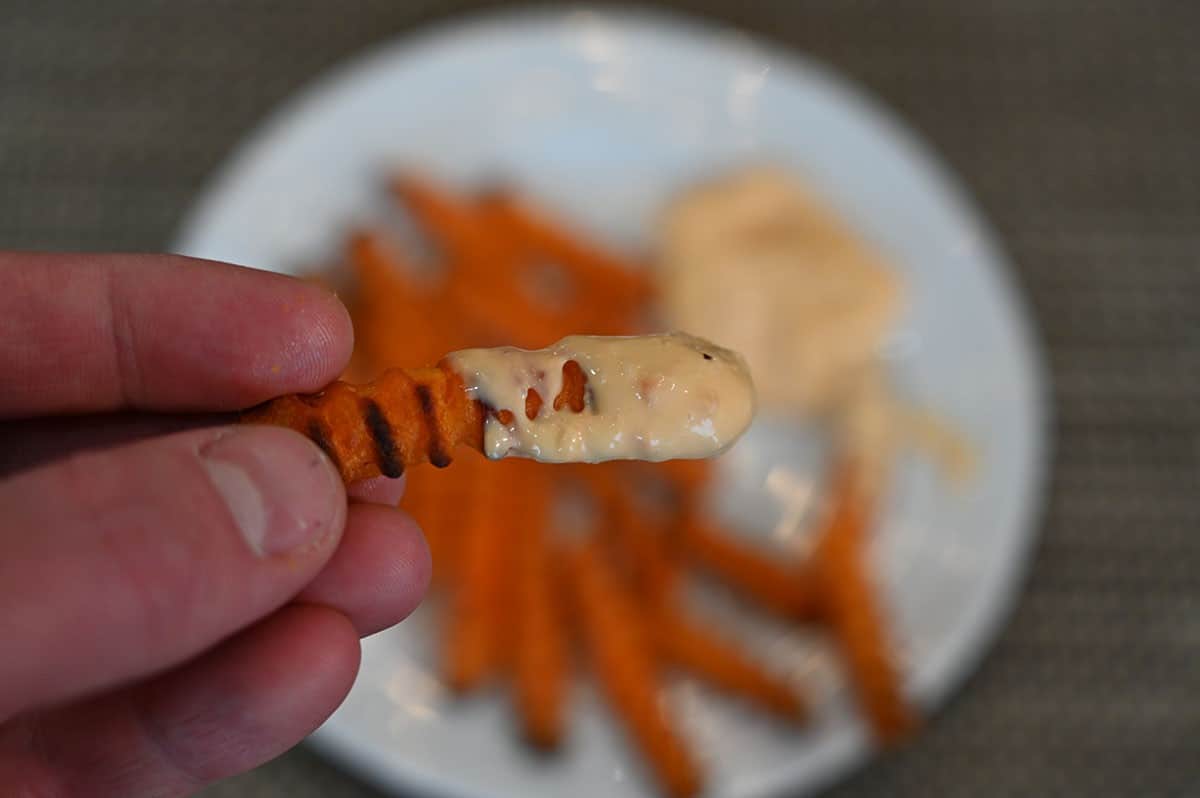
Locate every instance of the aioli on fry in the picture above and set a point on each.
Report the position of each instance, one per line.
(652, 397)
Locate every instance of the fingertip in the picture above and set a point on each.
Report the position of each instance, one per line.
(336, 662)
(316, 339)
(379, 574)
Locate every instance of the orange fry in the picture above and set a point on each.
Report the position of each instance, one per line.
(474, 649)
(615, 636)
(540, 655)
(632, 534)
(442, 504)
(396, 323)
(489, 271)
(607, 277)
(452, 224)
(679, 640)
(850, 607)
(403, 418)
(768, 582)
(718, 661)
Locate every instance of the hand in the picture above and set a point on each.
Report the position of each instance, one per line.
(178, 608)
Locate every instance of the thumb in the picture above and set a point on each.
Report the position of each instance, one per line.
(121, 563)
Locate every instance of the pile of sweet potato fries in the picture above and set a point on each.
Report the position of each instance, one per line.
(527, 587)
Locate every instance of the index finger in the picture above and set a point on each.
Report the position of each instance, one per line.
(87, 333)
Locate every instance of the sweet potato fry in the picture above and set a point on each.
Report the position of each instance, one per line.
(479, 291)
(489, 267)
(680, 641)
(474, 648)
(396, 323)
(405, 417)
(607, 277)
(442, 504)
(849, 605)
(687, 645)
(616, 639)
(540, 656)
(637, 534)
(768, 582)
(452, 224)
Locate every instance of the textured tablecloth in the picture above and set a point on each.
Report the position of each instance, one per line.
(1077, 127)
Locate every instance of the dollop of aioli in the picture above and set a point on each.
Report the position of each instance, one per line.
(648, 397)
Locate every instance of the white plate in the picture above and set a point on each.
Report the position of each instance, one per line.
(602, 116)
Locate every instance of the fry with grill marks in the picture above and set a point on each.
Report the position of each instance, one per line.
(405, 417)
(849, 607)
(616, 638)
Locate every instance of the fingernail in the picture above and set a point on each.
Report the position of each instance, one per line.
(281, 491)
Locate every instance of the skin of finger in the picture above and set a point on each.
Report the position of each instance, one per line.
(117, 564)
(379, 490)
(29, 443)
(239, 705)
(379, 573)
(89, 333)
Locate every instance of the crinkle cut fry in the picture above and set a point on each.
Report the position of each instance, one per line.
(405, 417)
(850, 608)
(615, 637)
(540, 657)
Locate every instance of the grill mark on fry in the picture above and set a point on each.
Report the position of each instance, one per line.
(437, 450)
(381, 434)
(318, 433)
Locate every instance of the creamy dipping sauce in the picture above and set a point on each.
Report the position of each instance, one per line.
(756, 261)
(651, 397)
(759, 262)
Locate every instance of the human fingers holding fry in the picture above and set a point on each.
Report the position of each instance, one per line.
(178, 607)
